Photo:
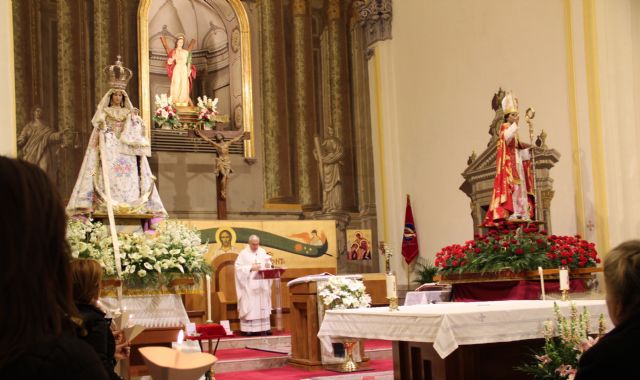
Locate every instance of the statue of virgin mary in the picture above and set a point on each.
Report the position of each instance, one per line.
(115, 165)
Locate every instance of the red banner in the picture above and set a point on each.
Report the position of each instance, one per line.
(409, 237)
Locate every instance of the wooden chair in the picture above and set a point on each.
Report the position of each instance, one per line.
(225, 300)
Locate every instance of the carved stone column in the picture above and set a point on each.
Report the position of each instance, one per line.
(100, 45)
(375, 16)
(277, 151)
(65, 65)
(20, 34)
(362, 118)
(340, 102)
(304, 113)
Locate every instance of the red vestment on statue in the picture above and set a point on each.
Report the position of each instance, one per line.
(501, 206)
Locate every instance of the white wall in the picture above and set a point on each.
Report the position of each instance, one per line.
(448, 58)
(7, 95)
(618, 24)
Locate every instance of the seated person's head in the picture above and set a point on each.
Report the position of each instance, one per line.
(87, 278)
(622, 279)
(35, 283)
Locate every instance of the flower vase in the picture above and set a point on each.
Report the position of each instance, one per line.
(166, 125)
(349, 364)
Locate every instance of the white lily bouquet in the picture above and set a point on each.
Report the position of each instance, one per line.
(166, 113)
(91, 240)
(344, 293)
(148, 260)
(208, 109)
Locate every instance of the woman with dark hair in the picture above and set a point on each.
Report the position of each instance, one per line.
(87, 280)
(38, 318)
(615, 355)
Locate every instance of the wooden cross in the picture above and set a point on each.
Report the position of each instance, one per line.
(222, 156)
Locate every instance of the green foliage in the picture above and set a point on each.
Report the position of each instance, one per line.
(565, 341)
(517, 249)
(148, 260)
(425, 271)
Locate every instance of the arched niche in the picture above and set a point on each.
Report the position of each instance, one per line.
(222, 55)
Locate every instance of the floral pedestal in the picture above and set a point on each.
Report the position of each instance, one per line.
(509, 275)
(507, 285)
(168, 260)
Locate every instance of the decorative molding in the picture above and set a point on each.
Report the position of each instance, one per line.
(573, 121)
(375, 17)
(242, 40)
(596, 128)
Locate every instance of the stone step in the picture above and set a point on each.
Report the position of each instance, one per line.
(275, 360)
(242, 342)
(251, 364)
(379, 354)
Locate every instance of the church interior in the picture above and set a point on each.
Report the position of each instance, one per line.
(234, 165)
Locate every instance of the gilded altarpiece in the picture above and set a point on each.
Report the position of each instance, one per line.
(60, 50)
(307, 65)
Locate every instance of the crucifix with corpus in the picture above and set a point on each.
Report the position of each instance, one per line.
(222, 168)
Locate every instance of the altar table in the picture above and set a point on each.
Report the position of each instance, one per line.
(426, 297)
(448, 340)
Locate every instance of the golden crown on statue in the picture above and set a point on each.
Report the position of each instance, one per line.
(118, 75)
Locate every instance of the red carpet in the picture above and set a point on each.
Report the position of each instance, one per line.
(376, 344)
(291, 373)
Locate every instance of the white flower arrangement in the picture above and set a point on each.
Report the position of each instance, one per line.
(165, 111)
(208, 109)
(344, 293)
(147, 259)
(91, 240)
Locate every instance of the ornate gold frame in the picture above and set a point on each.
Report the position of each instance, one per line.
(245, 53)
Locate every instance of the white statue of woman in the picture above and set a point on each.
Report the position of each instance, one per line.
(116, 158)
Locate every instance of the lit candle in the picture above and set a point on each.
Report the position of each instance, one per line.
(124, 320)
(541, 282)
(179, 345)
(564, 278)
(208, 279)
(391, 286)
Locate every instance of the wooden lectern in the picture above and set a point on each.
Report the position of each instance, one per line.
(274, 274)
(305, 322)
(305, 346)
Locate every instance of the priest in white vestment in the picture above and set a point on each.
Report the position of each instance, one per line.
(254, 294)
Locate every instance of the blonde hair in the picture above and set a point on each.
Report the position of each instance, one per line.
(622, 276)
(87, 279)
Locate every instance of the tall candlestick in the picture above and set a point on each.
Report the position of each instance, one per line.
(391, 285)
(208, 279)
(541, 273)
(564, 278)
(124, 320)
(179, 346)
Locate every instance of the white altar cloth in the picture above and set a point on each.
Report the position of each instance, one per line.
(151, 311)
(426, 297)
(449, 325)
